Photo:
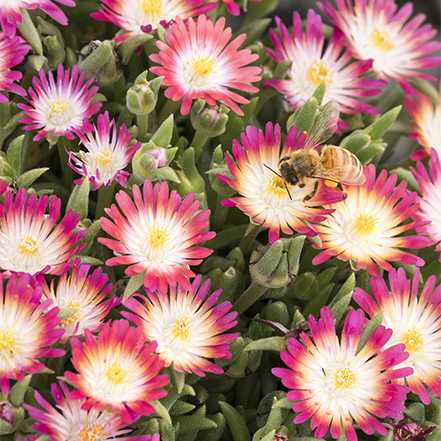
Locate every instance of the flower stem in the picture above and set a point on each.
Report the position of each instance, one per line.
(169, 108)
(249, 237)
(105, 196)
(251, 295)
(67, 172)
(198, 144)
(220, 214)
(142, 121)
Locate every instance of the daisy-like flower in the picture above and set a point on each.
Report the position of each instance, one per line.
(265, 197)
(108, 154)
(74, 423)
(186, 326)
(310, 66)
(333, 385)
(374, 29)
(198, 62)
(83, 293)
(30, 240)
(426, 123)
(26, 330)
(10, 14)
(415, 321)
(232, 6)
(157, 235)
(142, 16)
(12, 52)
(59, 108)
(117, 370)
(429, 214)
(365, 227)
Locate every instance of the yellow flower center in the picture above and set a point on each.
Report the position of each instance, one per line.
(413, 340)
(59, 108)
(104, 156)
(203, 66)
(74, 317)
(318, 71)
(276, 186)
(345, 378)
(382, 40)
(152, 7)
(91, 432)
(115, 373)
(7, 342)
(28, 246)
(365, 224)
(181, 329)
(157, 237)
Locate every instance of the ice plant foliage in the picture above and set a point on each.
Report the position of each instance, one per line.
(366, 227)
(157, 235)
(187, 326)
(198, 62)
(429, 214)
(59, 107)
(12, 52)
(108, 153)
(375, 29)
(83, 295)
(333, 385)
(415, 322)
(142, 16)
(26, 330)
(31, 241)
(70, 421)
(311, 65)
(264, 195)
(10, 14)
(426, 123)
(117, 370)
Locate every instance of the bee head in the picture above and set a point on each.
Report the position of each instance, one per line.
(287, 174)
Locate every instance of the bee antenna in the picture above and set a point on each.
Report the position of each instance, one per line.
(269, 168)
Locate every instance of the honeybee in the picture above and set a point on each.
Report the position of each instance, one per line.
(335, 164)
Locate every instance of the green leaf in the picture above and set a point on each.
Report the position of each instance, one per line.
(194, 423)
(18, 391)
(369, 328)
(163, 135)
(27, 178)
(135, 282)
(267, 344)
(377, 129)
(29, 32)
(79, 199)
(235, 421)
(13, 153)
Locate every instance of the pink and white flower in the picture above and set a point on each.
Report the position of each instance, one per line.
(198, 62)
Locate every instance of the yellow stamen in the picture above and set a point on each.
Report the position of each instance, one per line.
(318, 71)
(382, 40)
(7, 342)
(74, 317)
(157, 236)
(152, 7)
(91, 432)
(203, 66)
(413, 340)
(28, 246)
(59, 108)
(104, 156)
(115, 374)
(276, 186)
(345, 378)
(181, 329)
(365, 224)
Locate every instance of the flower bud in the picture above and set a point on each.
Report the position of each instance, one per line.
(219, 167)
(208, 120)
(141, 98)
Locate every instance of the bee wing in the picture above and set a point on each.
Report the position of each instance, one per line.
(347, 174)
(321, 129)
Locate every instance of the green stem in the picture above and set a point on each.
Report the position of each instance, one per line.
(251, 295)
(105, 197)
(67, 172)
(142, 121)
(198, 144)
(220, 214)
(249, 238)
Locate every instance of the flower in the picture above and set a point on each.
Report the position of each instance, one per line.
(116, 370)
(59, 107)
(426, 123)
(265, 197)
(310, 67)
(332, 383)
(10, 14)
(26, 330)
(12, 52)
(374, 29)
(80, 291)
(232, 7)
(198, 63)
(429, 213)
(142, 16)
(107, 154)
(157, 235)
(363, 228)
(186, 326)
(74, 423)
(30, 242)
(415, 321)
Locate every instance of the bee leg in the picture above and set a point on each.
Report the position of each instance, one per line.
(287, 189)
(340, 189)
(313, 192)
